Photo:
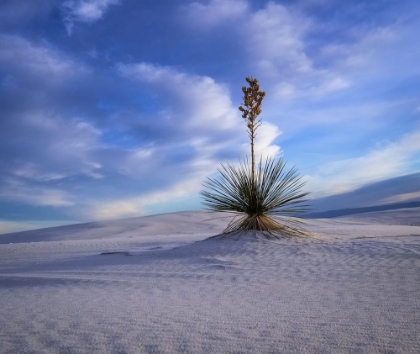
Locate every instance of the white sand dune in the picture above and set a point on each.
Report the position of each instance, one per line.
(164, 287)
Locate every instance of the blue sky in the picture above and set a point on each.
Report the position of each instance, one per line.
(120, 108)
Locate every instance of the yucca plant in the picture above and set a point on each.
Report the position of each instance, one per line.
(261, 197)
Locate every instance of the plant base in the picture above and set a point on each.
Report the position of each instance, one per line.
(268, 225)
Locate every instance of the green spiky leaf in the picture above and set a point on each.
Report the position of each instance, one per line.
(261, 202)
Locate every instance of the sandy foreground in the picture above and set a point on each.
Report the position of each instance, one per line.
(353, 288)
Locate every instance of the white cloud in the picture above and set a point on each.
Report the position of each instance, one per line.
(332, 83)
(376, 55)
(138, 205)
(391, 160)
(34, 195)
(274, 39)
(30, 171)
(68, 148)
(199, 100)
(340, 119)
(367, 46)
(51, 148)
(41, 148)
(215, 12)
(202, 166)
(285, 90)
(85, 11)
(25, 59)
(276, 42)
(202, 110)
(118, 209)
(199, 115)
(273, 35)
(209, 125)
(266, 134)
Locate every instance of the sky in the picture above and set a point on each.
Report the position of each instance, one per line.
(120, 108)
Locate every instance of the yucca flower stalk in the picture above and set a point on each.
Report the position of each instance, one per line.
(252, 108)
(260, 197)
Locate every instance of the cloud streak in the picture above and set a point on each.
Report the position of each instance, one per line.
(215, 12)
(87, 11)
(385, 162)
(15, 190)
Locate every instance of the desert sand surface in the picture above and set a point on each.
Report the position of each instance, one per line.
(159, 284)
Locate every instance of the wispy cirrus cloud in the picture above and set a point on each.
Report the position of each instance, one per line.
(141, 205)
(87, 11)
(275, 45)
(203, 124)
(45, 61)
(196, 105)
(18, 191)
(42, 145)
(68, 148)
(387, 161)
(197, 100)
(215, 12)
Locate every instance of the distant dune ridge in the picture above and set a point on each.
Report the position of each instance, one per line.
(351, 211)
(160, 284)
(391, 191)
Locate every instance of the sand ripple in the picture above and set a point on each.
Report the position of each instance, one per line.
(347, 292)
